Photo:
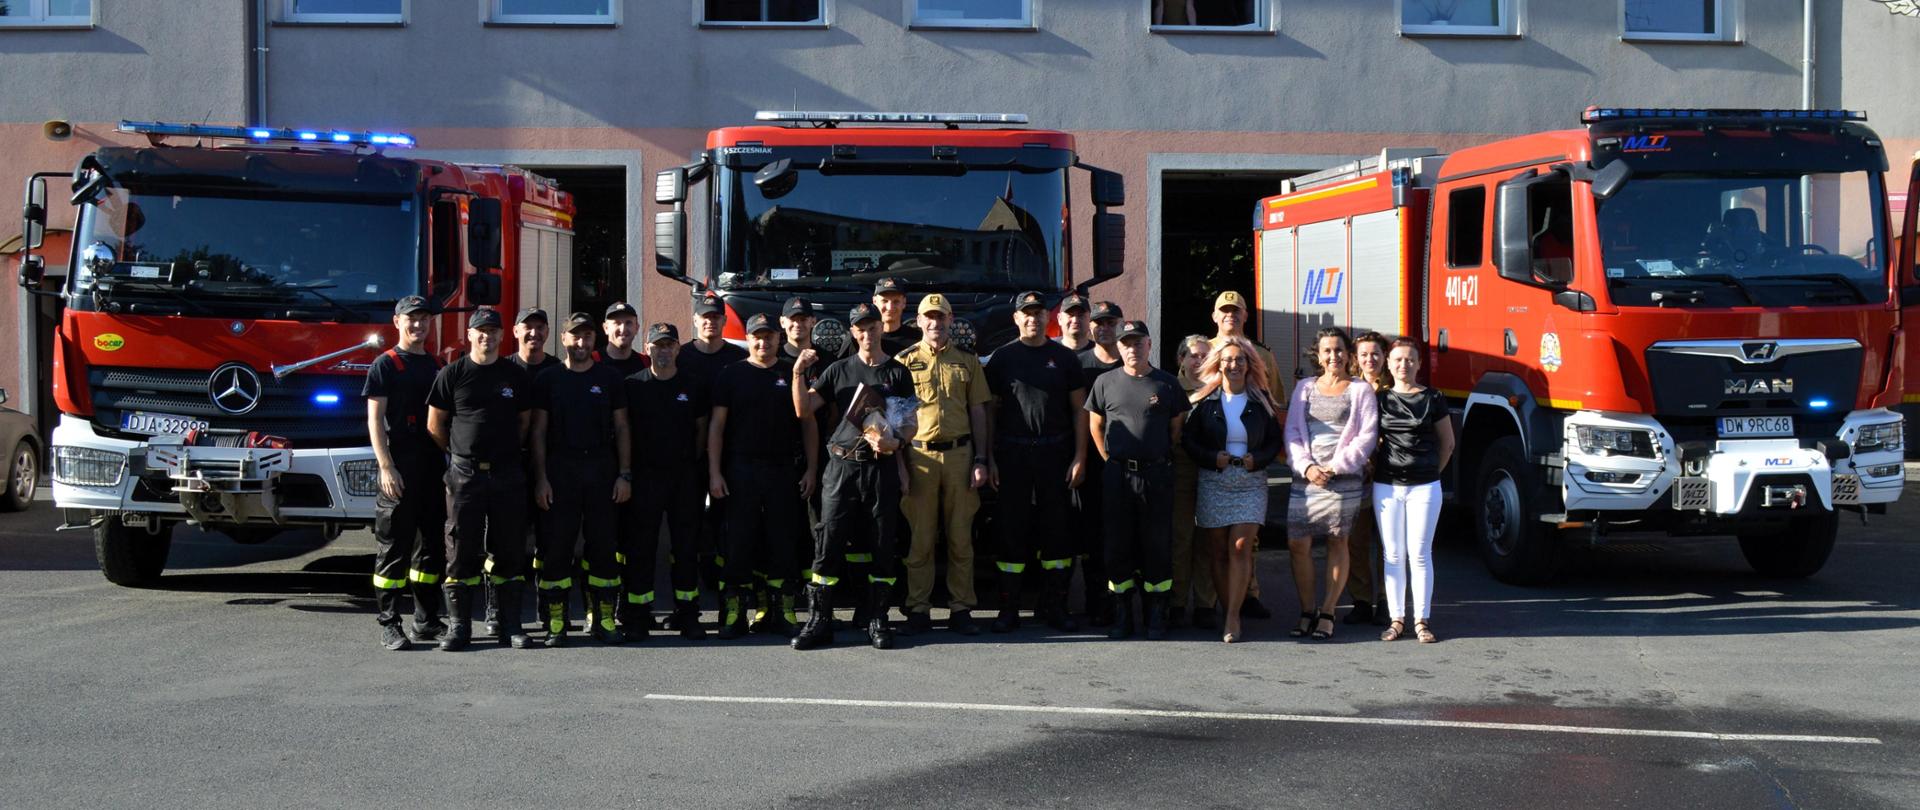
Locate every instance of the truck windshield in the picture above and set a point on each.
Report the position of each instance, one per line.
(1683, 239)
(214, 252)
(963, 229)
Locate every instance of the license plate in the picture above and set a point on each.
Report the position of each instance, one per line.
(1756, 426)
(159, 424)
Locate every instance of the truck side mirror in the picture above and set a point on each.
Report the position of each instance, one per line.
(669, 244)
(1109, 246)
(483, 233)
(3, 396)
(1109, 188)
(1512, 239)
(670, 186)
(483, 289)
(35, 212)
(33, 270)
(1608, 180)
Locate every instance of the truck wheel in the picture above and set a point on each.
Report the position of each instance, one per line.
(1517, 548)
(131, 556)
(1796, 553)
(23, 477)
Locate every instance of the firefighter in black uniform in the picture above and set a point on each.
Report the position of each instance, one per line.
(1096, 359)
(667, 416)
(1134, 415)
(701, 359)
(797, 319)
(1040, 452)
(530, 329)
(581, 477)
(899, 331)
(410, 515)
(478, 411)
(751, 443)
(621, 324)
(864, 482)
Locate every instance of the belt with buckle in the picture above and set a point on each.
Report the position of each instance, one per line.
(853, 454)
(943, 444)
(476, 464)
(1139, 465)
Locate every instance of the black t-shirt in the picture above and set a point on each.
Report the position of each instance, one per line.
(628, 367)
(894, 342)
(1409, 450)
(661, 415)
(580, 406)
(703, 368)
(759, 403)
(486, 403)
(1033, 385)
(1091, 366)
(1139, 412)
(404, 378)
(533, 370)
(837, 385)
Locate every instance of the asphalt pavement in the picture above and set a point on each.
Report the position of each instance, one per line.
(1655, 673)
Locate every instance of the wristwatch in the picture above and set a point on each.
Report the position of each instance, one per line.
(627, 476)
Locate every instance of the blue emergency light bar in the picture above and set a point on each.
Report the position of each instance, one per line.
(806, 117)
(259, 134)
(1597, 114)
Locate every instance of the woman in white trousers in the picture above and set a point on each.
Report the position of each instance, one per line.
(1416, 442)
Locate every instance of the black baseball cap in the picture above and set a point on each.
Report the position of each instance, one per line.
(410, 305)
(1133, 329)
(662, 331)
(619, 308)
(761, 323)
(1073, 302)
(529, 314)
(581, 320)
(1105, 310)
(889, 285)
(484, 318)
(861, 313)
(708, 302)
(799, 306)
(1029, 300)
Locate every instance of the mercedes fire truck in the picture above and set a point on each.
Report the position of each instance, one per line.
(1683, 321)
(229, 288)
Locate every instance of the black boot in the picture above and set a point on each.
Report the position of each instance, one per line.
(1122, 616)
(490, 623)
(1361, 612)
(429, 613)
(459, 617)
(1054, 605)
(1156, 606)
(818, 631)
(733, 615)
(878, 633)
(686, 619)
(606, 628)
(1093, 581)
(552, 611)
(512, 632)
(636, 621)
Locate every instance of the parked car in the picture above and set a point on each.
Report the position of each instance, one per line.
(24, 451)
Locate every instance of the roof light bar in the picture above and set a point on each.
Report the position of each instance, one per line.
(1596, 114)
(950, 119)
(259, 134)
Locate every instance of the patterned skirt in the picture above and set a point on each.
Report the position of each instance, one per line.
(1230, 496)
(1324, 511)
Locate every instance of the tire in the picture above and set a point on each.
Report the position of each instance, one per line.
(23, 477)
(1516, 547)
(1797, 553)
(132, 557)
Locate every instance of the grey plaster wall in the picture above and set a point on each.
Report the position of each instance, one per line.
(144, 60)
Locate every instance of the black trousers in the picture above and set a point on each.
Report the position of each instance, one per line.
(412, 551)
(860, 504)
(582, 507)
(1031, 506)
(1139, 512)
(763, 512)
(675, 495)
(489, 522)
(1090, 536)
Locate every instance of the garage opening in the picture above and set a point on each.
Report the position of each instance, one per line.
(1206, 247)
(599, 233)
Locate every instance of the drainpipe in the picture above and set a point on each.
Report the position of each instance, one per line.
(257, 112)
(1806, 55)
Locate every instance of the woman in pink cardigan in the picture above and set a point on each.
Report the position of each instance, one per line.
(1332, 427)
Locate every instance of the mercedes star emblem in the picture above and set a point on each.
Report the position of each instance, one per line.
(236, 327)
(234, 388)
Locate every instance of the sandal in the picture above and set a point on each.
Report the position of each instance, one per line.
(1394, 631)
(1306, 625)
(1424, 633)
(1323, 635)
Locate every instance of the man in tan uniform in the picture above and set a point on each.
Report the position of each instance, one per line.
(947, 463)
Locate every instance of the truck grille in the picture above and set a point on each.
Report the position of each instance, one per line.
(287, 407)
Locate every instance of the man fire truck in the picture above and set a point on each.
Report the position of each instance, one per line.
(227, 295)
(974, 206)
(1681, 321)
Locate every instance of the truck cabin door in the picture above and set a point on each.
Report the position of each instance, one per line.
(1907, 267)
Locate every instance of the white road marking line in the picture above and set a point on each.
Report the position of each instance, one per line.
(1281, 718)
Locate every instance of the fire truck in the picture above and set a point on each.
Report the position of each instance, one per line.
(229, 288)
(1677, 321)
(974, 206)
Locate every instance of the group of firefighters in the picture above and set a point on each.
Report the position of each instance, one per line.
(764, 488)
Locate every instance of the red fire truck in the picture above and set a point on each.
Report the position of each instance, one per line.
(229, 287)
(1682, 321)
(974, 206)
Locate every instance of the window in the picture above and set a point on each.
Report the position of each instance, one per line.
(344, 11)
(554, 12)
(1550, 221)
(1459, 18)
(727, 13)
(49, 13)
(1466, 226)
(1182, 16)
(970, 13)
(1677, 20)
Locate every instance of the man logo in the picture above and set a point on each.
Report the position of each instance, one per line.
(1759, 352)
(1322, 287)
(1759, 386)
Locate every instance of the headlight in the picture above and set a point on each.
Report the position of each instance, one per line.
(1883, 436)
(361, 478)
(963, 334)
(1600, 441)
(87, 467)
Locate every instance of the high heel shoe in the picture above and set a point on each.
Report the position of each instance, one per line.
(1305, 626)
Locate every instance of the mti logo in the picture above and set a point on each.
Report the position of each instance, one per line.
(1322, 286)
(1644, 143)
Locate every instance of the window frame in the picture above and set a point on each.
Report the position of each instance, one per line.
(289, 15)
(37, 17)
(1266, 14)
(911, 12)
(491, 14)
(824, 21)
(1509, 27)
(1727, 13)
(1481, 237)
